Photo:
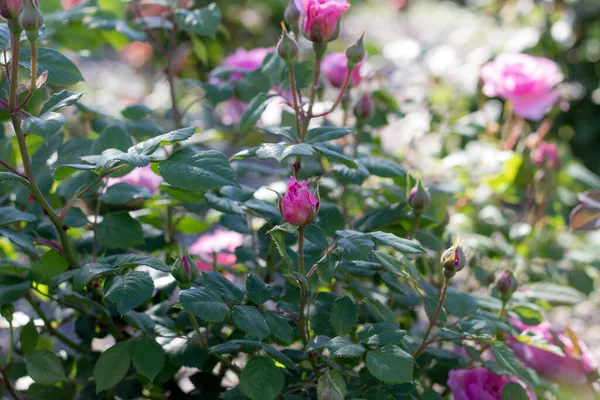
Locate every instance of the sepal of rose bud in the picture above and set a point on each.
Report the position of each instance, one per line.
(356, 53)
(31, 19)
(419, 198)
(287, 48)
(185, 270)
(365, 108)
(453, 259)
(507, 284)
(9, 9)
(291, 15)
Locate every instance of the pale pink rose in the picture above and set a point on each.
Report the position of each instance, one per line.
(149, 9)
(546, 154)
(221, 244)
(136, 54)
(335, 68)
(480, 384)
(144, 177)
(527, 82)
(299, 206)
(68, 4)
(571, 369)
(319, 18)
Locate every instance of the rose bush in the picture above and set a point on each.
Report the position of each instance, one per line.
(278, 250)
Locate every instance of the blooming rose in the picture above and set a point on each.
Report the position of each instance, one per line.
(546, 153)
(335, 68)
(299, 206)
(527, 82)
(480, 384)
(218, 246)
(144, 177)
(571, 368)
(319, 18)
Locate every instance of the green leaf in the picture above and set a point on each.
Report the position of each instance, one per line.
(350, 176)
(20, 239)
(9, 176)
(45, 367)
(12, 289)
(65, 98)
(4, 37)
(66, 170)
(344, 315)
(258, 290)
(141, 321)
(329, 151)
(279, 327)
(380, 334)
(147, 147)
(61, 70)
(285, 131)
(404, 246)
(129, 291)
(193, 171)
(148, 357)
(223, 286)
(29, 338)
(460, 304)
(281, 151)
(251, 321)
(119, 231)
(112, 137)
(279, 240)
(112, 366)
(204, 303)
(91, 271)
(555, 294)
(327, 133)
(9, 215)
(261, 379)
(136, 112)
(223, 204)
(316, 235)
(506, 358)
(48, 266)
(383, 167)
(123, 193)
(44, 126)
(254, 111)
(381, 312)
(390, 364)
(356, 246)
(389, 263)
(201, 22)
(514, 391)
(342, 347)
(111, 157)
(528, 314)
(133, 260)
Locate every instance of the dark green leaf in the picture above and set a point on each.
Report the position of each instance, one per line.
(200, 22)
(129, 291)
(112, 137)
(112, 366)
(344, 348)
(147, 147)
(383, 167)
(279, 326)
(44, 126)
(48, 266)
(123, 193)
(250, 321)
(120, 231)
(136, 112)
(148, 357)
(344, 315)
(261, 379)
(349, 175)
(29, 338)
(356, 246)
(204, 303)
(9, 176)
(61, 70)
(404, 246)
(9, 215)
(327, 133)
(45, 367)
(390, 364)
(254, 111)
(330, 152)
(258, 290)
(514, 391)
(59, 100)
(223, 286)
(286, 131)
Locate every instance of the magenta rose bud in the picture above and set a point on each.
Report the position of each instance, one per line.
(9, 9)
(319, 20)
(418, 198)
(528, 83)
(507, 283)
(185, 271)
(546, 154)
(335, 68)
(365, 108)
(299, 206)
(291, 15)
(479, 384)
(453, 260)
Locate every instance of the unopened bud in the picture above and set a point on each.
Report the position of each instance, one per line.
(31, 19)
(287, 48)
(365, 108)
(9, 9)
(356, 53)
(185, 271)
(291, 15)
(7, 311)
(418, 198)
(507, 284)
(453, 260)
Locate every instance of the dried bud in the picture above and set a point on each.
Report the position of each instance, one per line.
(453, 260)
(356, 53)
(418, 198)
(185, 270)
(31, 19)
(291, 14)
(507, 284)
(365, 108)
(287, 48)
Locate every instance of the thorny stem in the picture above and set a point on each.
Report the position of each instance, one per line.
(357, 135)
(433, 320)
(313, 90)
(8, 384)
(12, 341)
(415, 226)
(340, 97)
(301, 316)
(11, 169)
(296, 107)
(33, 82)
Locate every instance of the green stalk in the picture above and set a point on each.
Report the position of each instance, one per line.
(434, 319)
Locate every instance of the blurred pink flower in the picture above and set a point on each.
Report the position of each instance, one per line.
(527, 82)
(546, 154)
(68, 4)
(299, 206)
(220, 243)
(480, 384)
(319, 18)
(335, 68)
(136, 54)
(144, 177)
(571, 368)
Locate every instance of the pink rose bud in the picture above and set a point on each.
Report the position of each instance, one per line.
(291, 15)
(9, 9)
(507, 284)
(453, 260)
(31, 19)
(320, 18)
(479, 384)
(185, 271)
(335, 68)
(365, 108)
(287, 48)
(355, 54)
(546, 154)
(527, 82)
(418, 198)
(299, 206)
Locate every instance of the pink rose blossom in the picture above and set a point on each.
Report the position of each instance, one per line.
(319, 18)
(546, 154)
(299, 206)
(480, 384)
(571, 368)
(144, 177)
(68, 4)
(220, 243)
(335, 68)
(9, 9)
(527, 82)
